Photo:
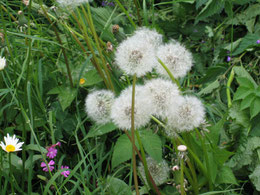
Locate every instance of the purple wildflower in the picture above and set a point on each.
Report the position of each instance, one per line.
(228, 59)
(258, 41)
(66, 172)
(111, 4)
(104, 3)
(52, 152)
(45, 168)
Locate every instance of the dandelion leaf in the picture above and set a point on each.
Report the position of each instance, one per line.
(226, 176)
(117, 186)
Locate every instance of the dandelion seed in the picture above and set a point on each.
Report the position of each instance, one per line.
(12, 144)
(122, 107)
(66, 172)
(98, 106)
(189, 114)
(2, 63)
(135, 56)
(161, 93)
(176, 57)
(50, 165)
(159, 171)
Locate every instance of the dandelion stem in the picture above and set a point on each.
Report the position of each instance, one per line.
(133, 135)
(182, 177)
(170, 74)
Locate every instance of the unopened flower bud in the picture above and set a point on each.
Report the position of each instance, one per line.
(115, 28)
(175, 168)
(182, 148)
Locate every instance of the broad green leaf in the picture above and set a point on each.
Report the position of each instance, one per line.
(241, 93)
(152, 144)
(246, 102)
(29, 163)
(241, 117)
(245, 82)
(247, 41)
(91, 78)
(122, 150)
(117, 186)
(66, 96)
(35, 147)
(16, 161)
(209, 88)
(226, 176)
(241, 72)
(255, 107)
(100, 130)
(233, 45)
(214, 131)
(213, 166)
(212, 73)
(255, 177)
(221, 155)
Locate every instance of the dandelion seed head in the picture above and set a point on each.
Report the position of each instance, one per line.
(98, 106)
(161, 92)
(159, 171)
(189, 114)
(176, 57)
(122, 108)
(135, 56)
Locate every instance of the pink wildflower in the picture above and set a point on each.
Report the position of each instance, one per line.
(66, 172)
(45, 168)
(52, 152)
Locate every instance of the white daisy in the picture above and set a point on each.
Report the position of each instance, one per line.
(121, 109)
(12, 144)
(135, 56)
(98, 106)
(177, 59)
(161, 92)
(2, 63)
(189, 114)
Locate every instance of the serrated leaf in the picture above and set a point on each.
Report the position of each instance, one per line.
(247, 41)
(212, 74)
(255, 107)
(255, 177)
(241, 117)
(66, 96)
(209, 88)
(246, 102)
(91, 78)
(117, 186)
(226, 176)
(100, 130)
(199, 3)
(212, 7)
(245, 82)
(228, 8)
(122, 150)
(241, 72)
(241, 93)
(152, 144)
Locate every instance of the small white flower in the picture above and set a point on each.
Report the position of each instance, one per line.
(150, 36)
(162, 92)
(2, 63)
(189, 114)
(175, 168)
(98, 106)
(135, 56)
(182, 148)
(159, 171)
(122, 108)
(176, 57)
(12, 144)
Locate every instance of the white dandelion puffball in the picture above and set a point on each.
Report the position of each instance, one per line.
(122, 107)
(159, 171)
(189, 114)
(2, 63)
(72, 3)
(98, 106)
(12, 144)
(135, 56)
(150, 36)
(176, 57)
(162, 92)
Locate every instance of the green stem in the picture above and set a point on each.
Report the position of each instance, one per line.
(10, 173)
(126, 13)
(230, 79)
(194, 176)
(170, 74)
(206, 159)
(133, 135)
(138, 12)
(182, 177)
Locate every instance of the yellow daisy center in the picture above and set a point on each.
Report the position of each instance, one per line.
(10, 148)
(82, 81)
